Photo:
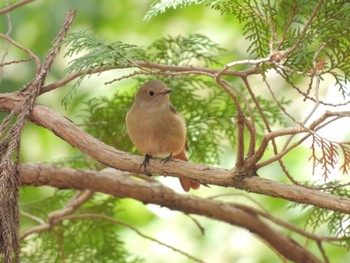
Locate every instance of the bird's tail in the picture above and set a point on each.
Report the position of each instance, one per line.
(186, 184)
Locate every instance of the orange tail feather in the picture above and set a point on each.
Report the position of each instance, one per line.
(186, 184)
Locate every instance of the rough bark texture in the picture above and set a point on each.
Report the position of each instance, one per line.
(121, 185)
(112, 157)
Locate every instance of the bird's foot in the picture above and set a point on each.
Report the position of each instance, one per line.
(166, 159)
(145, 163)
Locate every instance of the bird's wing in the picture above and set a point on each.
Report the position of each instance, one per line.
(172, 108)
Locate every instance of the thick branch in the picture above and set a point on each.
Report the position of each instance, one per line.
(120, 185)
(112, 157)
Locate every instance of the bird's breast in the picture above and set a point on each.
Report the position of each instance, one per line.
(156, 132)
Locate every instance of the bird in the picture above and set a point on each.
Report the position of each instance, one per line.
(156, 128)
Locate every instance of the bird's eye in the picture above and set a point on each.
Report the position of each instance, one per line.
(151, 93)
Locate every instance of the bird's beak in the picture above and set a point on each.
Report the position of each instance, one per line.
(166, 91)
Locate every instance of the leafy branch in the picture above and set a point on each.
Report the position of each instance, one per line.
(336, 223)
(160, 6)
(99, 55)
(73, 237)
(184, 50)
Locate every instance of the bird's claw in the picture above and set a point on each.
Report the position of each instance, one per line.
(166, 159)
(145, 163)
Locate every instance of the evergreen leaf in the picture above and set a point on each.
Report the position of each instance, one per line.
(160, 6)
(188, 50)
(73, 237)
(97, 55)
(338, 224)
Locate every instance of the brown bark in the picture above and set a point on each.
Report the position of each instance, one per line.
(121, 185)
(112, 157)
(202, 173)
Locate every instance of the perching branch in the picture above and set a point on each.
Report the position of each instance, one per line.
(112, 157)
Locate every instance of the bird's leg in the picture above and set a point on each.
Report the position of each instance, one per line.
(167, 159)
(145, 163)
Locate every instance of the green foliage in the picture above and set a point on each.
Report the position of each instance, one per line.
(44, 206)
(98, 55)
(302, 26)
(101, 55)
(184, 50)
(254, 16)
(111, 113)
(337, 223)
(81, 240)
(160, 6)
(272, 113)
(77, 161)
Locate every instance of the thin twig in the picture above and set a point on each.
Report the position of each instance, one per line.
(26, 50)
(317, 87)
(170, 70)
(14, 62)
(320, 247)
(35, 229)
(304, 94)
(304, 30)
(77, 201)
(58, 39)
(316, 74)
(252, 141)
(119, 222)
(287, 26)
(32, 217)
(14, 6)
(200, 227)
(6, 48)
(286, 225)
(241, 195)
(61, 218)
(240, 145)
(252, 160)
(314, 126)
(240, 140)
(53, 218)
(255, 62)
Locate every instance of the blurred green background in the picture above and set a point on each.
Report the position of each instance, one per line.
(35, 26)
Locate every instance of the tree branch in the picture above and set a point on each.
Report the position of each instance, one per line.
(9, 8)
(151, 65)
(116, 184)
(112, 157)
(34, 57)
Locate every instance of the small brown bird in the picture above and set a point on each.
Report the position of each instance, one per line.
(156, 128)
